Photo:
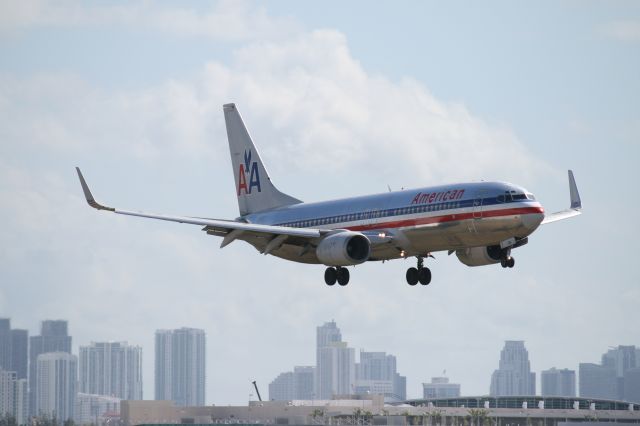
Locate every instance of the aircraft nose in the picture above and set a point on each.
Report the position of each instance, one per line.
(532, 221)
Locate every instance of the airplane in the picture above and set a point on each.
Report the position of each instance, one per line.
(481, 222)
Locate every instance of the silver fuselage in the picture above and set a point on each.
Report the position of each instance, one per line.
(421, 221)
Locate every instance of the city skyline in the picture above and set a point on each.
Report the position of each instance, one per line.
(620, 358)
(339, 106)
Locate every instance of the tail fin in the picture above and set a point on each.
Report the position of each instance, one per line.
(254, 188)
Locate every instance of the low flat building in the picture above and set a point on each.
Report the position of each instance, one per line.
(497, 411)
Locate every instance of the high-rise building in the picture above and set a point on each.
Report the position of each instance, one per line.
(111, 369)
(13, 349)
(293, 385)
(440, 388)
(632, 385)
(335, 363)
(19, 352)
(514, 376)
(282, 388)
(53, 338)
(21, 401)
(376, 373)
(56, 378)
(5, 344)
(556, 382)
(180, 366)
(13, 396)
(597, 381)
(7, 391)
(621, 359)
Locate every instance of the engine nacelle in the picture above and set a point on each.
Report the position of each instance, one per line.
(479, 256)
(343, 249)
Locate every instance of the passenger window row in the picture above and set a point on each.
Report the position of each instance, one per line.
(372, 215)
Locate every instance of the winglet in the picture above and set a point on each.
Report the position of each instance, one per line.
(573, 192)
(88, 196)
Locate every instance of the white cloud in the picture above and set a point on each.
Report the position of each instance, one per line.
(624, 30)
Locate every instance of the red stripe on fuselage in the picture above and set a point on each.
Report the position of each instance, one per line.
(447, 218)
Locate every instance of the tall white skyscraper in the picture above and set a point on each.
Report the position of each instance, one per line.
(514, 376)
(335, 363)
(180, 366)
(112, 369)
(56, 378)
(14, 396)
(53, 337)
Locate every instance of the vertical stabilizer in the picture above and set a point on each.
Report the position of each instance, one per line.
(254, 188)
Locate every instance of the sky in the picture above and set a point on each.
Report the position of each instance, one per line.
(342, 100)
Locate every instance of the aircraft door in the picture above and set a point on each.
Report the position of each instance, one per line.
(476, 211)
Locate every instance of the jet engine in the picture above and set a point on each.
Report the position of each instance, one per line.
(343, 249)
(479, 256)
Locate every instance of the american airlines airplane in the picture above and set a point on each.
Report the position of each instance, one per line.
(481, 222)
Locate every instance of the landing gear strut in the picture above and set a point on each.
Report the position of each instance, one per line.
(421, 274)
(339, 274)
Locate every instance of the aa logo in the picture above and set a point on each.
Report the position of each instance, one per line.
(250, 169)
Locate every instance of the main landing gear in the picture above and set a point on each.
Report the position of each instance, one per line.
(340, 274)
(421, 274)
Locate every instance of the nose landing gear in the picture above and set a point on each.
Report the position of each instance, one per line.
(421, 274)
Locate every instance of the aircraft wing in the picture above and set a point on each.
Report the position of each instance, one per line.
(576, 204)
(229, 229)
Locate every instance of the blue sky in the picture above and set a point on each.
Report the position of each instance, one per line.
(342, 100)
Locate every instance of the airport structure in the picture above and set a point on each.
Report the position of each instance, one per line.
(371, 410)
(180, 366)
(111, 368)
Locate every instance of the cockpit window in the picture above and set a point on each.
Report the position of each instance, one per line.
(519, 197)
(500, 198)
(531, 197)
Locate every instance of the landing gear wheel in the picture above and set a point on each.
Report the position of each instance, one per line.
(424, 276)
(343, 276)
(511, 262)
(413, 276)
(330, 276)
(503, 263)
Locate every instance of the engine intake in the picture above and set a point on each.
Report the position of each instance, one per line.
(479, 256)
(343, 249)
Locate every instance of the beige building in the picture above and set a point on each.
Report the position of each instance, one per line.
(371, 410)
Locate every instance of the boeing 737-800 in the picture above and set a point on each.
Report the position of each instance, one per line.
(482, 222)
